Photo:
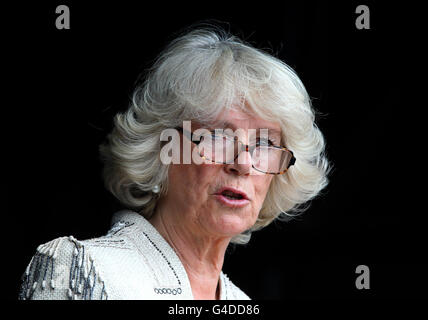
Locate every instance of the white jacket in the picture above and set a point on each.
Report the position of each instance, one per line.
(133, 261)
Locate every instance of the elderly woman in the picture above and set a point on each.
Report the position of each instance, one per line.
(218, 142)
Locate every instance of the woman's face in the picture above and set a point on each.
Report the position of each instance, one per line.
(200, 194)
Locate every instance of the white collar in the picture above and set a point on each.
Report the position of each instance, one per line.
(148, 240)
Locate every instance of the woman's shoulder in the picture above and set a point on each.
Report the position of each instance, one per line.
(61, 269)
(67, 268)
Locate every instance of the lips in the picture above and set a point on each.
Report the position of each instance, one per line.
(232, 197)
(232, 193)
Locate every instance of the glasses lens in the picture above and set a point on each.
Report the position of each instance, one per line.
(218, 148)
(271, 160)
(224, 149)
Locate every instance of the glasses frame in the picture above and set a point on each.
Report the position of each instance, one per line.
(246, 148)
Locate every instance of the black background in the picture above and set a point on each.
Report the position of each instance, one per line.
(64, 86)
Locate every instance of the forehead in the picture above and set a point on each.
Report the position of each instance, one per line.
(238, 119)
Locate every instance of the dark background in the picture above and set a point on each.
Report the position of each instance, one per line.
(65, 86)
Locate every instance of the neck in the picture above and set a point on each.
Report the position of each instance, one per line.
(201, 255)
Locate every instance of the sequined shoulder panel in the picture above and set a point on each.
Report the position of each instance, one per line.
(62, 269)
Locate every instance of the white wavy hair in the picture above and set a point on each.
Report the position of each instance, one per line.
(198, 75)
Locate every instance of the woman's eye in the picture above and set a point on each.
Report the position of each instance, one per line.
(264, 142)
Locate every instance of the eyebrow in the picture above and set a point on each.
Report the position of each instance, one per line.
(232, 126)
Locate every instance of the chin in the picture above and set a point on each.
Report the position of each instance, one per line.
(232, 224)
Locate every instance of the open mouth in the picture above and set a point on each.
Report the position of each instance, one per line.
(232, 195)
(232, 198)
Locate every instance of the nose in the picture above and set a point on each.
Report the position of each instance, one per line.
(241, 166)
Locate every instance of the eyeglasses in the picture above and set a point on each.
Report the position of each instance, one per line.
(224, 149)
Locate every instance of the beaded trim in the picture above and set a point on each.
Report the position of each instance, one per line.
(162, 254)
(226, 284)
(118, 226)
(173, 291)
(39, 265)
(83, 274)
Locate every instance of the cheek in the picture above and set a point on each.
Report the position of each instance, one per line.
(191, 180)
(262, 184)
